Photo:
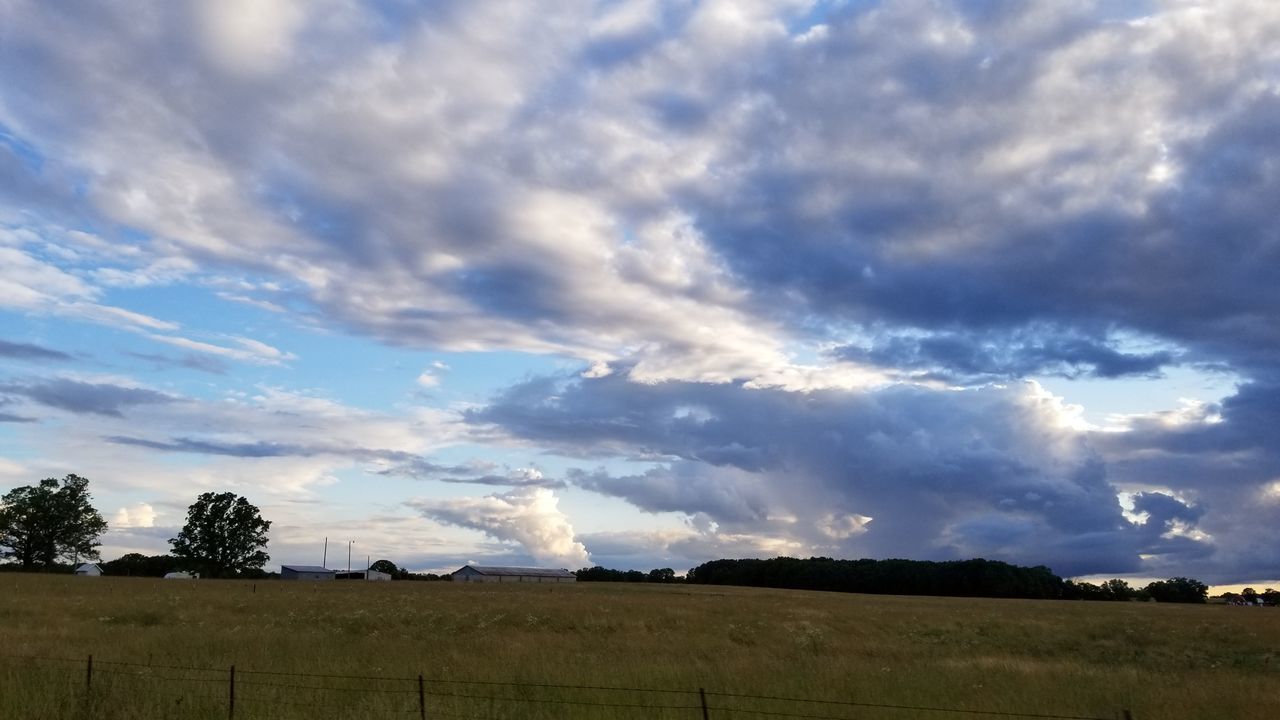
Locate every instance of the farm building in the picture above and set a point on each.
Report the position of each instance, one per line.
(89, 570)
(478, 573)
(180, 575)
(305, 572)
(363, 575)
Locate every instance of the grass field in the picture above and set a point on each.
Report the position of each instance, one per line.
(1046, 657)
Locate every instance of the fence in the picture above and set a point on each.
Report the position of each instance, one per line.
(241, 693)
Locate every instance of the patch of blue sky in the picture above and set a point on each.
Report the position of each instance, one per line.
(1102, 399)
(23, 150)
(819, 12)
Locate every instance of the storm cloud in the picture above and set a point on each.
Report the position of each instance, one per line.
(999, 472)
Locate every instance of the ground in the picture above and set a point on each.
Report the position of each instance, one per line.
(483, 650)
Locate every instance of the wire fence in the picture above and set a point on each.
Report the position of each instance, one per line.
(242, 693)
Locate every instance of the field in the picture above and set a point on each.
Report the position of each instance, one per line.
(1012, 656)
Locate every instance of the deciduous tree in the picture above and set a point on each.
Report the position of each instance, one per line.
(51, 521)
(225, 534)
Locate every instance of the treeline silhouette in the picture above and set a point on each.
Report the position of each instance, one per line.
(601, 574)
(956, 578)
(952, 578)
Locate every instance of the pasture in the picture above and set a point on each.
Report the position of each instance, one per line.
(1011, 656)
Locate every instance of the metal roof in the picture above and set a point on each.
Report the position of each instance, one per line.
(537, 572)
(305, 568)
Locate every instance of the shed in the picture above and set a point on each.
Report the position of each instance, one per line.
(305, 572)
(89, 570)
(481, 573)
(362, 575)
(180, 575)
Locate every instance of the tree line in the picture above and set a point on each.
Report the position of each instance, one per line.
(956, 578)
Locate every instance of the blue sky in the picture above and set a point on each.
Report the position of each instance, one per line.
(646, 284)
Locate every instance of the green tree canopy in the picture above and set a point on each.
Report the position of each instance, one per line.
(41, 524)
(224, 535)
(385, 566)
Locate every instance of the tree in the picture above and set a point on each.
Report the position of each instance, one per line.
(1179, 590)
(1118, 589)
(385, 566)
(140, 565)
(225, 534)
(661, 575)
(53, 520)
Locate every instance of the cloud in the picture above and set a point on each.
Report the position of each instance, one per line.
(86, 397)
(138, 515)
(979, 358)
(188, 361)
(528, 517)
(901, 471)
(27, 351)
(987, 169)
(476, 472)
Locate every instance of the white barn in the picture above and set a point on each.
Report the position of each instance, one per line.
(480, 573)
(89, 570)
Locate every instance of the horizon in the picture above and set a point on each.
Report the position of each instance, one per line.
(648, 284)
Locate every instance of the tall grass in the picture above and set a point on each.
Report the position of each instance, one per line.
(1050, 657)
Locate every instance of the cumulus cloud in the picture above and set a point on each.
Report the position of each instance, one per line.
(528, 517)
(138, 515)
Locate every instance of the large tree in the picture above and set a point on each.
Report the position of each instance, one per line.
(225, 534)
(51, 521)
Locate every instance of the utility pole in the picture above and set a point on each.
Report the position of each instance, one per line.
(325, 561)
(349, 544)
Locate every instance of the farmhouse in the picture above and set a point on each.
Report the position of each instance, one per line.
(89, 570)
(478, 573)
(305, 572)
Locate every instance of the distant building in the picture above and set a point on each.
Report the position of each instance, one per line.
(363, 575)
(480, 573)
(89, 570)
(180, 575)
(305, 572)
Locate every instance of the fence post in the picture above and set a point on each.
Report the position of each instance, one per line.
(88, 674)
(422, 700)
(231, 699)
(702, 695)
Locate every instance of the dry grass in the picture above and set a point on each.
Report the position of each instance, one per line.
(1070, 658)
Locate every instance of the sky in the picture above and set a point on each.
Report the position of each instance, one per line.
(644, 284)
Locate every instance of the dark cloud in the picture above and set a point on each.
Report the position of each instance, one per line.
(85, 397)
(939, 474)
(27, 351)
(213, 447)
(977, 357)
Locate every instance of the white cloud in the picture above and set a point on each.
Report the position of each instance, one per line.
(139, 515)
(530, 517)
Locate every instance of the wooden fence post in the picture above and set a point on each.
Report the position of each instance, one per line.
(702, 695)
(422, 700)
(231, 698)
